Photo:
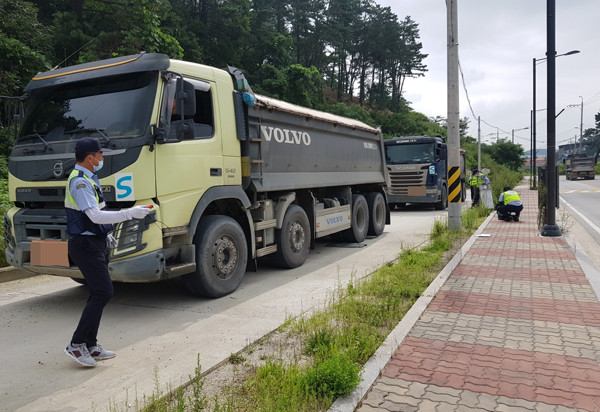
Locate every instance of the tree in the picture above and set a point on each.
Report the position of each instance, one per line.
(23, 45)
(591, 138)
(507, 153)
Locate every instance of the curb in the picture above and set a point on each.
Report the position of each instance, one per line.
(372, 369)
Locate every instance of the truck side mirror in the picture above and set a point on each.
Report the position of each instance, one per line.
(185, 98)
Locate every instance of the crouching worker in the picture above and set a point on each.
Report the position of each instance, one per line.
(509, 202)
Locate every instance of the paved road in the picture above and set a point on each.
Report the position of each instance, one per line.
(159, 329)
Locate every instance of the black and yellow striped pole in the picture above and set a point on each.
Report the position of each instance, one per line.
(454, 186)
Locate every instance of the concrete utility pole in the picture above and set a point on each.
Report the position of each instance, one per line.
(454, 186)
(581, 128)
(478, 143)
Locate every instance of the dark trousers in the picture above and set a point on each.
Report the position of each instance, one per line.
(504, 210)
(90, 254)
(476, 195)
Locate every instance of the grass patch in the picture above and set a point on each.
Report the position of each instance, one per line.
(335, 341)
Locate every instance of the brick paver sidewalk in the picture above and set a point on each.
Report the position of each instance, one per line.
(515, 327)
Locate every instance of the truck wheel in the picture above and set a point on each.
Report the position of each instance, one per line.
(293, 240)
(360, 221)
(376, 205)
(221, 257)
(443, 203)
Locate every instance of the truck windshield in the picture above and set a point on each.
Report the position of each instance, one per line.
(396, 154)
(117, 106)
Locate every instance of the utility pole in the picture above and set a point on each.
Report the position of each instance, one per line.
(478, 142)
(581, 128)
(453, 123)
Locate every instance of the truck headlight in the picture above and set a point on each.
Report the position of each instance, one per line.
(9, 241)
(129, 237)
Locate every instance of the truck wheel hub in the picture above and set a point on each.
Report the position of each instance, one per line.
(225, 255)
(297, 237)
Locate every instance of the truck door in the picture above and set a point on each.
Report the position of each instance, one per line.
(190, 159)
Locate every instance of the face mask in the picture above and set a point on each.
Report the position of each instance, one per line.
(100, 164)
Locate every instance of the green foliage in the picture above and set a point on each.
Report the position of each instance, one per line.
(277, 387)
(353, 111)
(144, 31)
(507, 154)
(303, 85)
(23, 45)
(407, 123)
(335, 376)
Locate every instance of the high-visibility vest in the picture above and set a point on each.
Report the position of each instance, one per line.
(77, 221)
(510, 196)
(476, 180)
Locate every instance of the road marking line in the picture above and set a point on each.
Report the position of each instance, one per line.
(580, 191)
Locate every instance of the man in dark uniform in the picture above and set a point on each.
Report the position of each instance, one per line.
(89, 227)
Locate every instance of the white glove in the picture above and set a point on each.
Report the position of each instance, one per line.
(112, 242)
(138, 212)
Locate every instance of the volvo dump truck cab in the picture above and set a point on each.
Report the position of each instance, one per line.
(418, 171)
(231, 176)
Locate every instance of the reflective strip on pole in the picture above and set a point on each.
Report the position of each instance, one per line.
(454, 185)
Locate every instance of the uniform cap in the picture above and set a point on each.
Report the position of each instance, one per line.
(87, 145)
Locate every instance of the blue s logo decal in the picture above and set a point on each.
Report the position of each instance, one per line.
(124, 186)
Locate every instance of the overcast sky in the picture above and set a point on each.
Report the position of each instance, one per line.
(497, 43)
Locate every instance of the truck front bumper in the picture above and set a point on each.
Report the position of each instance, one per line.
(149, 267)
(431, 196)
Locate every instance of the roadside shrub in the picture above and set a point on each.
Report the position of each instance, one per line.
(333, 377)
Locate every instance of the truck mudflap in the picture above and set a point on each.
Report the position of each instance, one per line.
(149, 267)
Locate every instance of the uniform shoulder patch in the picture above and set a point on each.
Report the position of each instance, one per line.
(80, 186)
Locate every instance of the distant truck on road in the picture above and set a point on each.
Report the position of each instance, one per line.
(231, 176)
(418, 171)
(579, 165)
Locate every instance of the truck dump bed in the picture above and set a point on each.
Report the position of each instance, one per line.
(292, 147)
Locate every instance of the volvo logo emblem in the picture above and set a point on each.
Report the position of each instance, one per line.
(57, 169)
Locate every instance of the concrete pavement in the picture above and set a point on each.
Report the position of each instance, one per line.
(513, 326)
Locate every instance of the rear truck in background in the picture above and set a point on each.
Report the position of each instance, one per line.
(231, 176)
(579, 165)
(418, 171)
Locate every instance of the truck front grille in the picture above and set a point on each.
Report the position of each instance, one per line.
(42, 224)
(407, 178)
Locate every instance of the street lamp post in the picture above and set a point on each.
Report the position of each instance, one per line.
(533, 116)
(516, 130)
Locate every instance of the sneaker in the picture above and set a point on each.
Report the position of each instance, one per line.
(80, 354)
(98, 353)
(516, 218)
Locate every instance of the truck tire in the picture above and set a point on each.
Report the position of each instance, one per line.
(376, 205)
(221, 257)
(443, 203)
(293, 239)
(360, 221)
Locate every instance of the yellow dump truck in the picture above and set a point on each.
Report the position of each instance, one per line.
(232, 176)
